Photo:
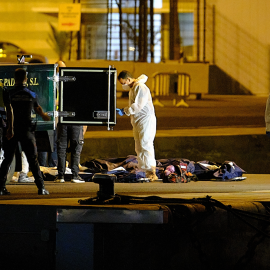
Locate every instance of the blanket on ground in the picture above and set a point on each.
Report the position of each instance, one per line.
(183, 170)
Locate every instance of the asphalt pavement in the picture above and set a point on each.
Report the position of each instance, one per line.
(256, 187)
(210, 111)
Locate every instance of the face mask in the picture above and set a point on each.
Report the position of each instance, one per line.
(125, 87)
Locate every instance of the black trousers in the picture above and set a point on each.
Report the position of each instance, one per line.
(28, 143)
(49, 159)
(72, 136)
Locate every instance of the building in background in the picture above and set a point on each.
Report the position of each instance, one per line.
(232, 36)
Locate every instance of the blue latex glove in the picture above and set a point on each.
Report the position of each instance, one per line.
(120, 111)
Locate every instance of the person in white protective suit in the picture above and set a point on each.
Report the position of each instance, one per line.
(142, 114)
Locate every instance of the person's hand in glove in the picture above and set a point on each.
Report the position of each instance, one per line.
(120, 111)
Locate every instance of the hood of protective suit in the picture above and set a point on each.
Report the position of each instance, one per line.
(141, 79)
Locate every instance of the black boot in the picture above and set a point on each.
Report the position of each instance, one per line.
(43, 191)
(4, 191)
(41, 187)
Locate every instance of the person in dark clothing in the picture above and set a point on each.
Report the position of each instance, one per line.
(69, 137)
(72, 135)
(19, 103)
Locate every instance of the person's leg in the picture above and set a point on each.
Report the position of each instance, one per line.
(28, 143)
(62, 144)
(145, 146)
(25, 165)
(42, 158)
(138, 147)
(9, 147)
(23, 178)
(76, 144)
(52, 156)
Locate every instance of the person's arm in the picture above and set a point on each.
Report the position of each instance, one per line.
(140, 100)
(40, 112)
(10, 131)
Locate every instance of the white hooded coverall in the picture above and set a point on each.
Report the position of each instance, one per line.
(142, 113)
